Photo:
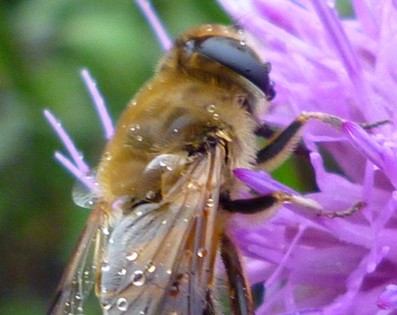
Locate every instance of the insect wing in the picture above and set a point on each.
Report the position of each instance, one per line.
(160, 257)
(81, 271)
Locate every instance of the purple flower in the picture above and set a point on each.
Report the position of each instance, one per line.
(348, 68)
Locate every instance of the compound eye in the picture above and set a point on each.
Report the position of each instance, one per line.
(238, 57)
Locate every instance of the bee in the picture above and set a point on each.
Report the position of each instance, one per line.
(167, 184)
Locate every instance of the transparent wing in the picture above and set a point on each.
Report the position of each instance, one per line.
(160, 258)
(81, 271)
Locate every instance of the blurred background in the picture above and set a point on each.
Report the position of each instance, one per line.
(43, 46)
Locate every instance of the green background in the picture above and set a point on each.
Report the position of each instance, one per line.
(43, 46)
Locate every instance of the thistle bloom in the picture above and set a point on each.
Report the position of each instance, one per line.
(346, 68)
(309, 264)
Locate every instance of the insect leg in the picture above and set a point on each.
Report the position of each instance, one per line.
(239, 290)
(271, 202)
(283, 143)
(210, 309)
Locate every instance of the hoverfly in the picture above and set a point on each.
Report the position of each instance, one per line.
(167, 187)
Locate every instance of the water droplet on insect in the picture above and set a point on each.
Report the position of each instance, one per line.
(84, 197)
(78, 296)
(191, 186)
(122, 304)
(202, 252)
(169, 271)
(138, 279)
(175, 130)
(139, 213)
(133, 256)
(211, 108)
(150, 194)
(150, 267)
(107, 156)
(139, 138)
(122, 272)
(107, 307)
(164, 222)
(243, 43)
(135, 127)
(105, 266)
(215, 116)
(210, 203)
(105, 231)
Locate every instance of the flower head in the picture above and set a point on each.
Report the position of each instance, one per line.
(346, 68)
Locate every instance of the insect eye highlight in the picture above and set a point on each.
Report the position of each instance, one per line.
(238, 57)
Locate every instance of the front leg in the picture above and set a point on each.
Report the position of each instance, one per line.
(282, 144)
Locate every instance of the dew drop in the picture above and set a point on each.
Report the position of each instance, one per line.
(105, 231)
(210, 203)
(133, 256)
(191, 186)
(105, 266)
(202, 252)
(107, 156)
(150, 267)
(138, 278)
(135, 127)
(211, 108)
(150, 194)
(162, 163)
(122, 272)
(139, 213)
(122, 304)
(107, 307)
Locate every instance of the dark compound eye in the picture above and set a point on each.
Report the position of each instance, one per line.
(238, 57)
